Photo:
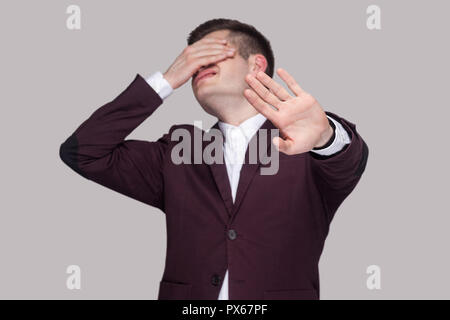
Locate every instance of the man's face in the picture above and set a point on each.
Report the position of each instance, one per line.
(229, 80)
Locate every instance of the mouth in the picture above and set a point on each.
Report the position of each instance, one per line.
(205, 76)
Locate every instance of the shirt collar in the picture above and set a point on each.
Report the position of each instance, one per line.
(248, 127)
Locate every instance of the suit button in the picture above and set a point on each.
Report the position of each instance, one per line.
(232, 234)
(215, 280)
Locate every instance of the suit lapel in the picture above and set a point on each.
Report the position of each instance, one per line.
(248, 169)
(220, 175)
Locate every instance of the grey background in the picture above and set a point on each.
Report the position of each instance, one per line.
(391, 83)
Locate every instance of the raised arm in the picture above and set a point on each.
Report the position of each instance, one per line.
(98, 151)
(305, 127)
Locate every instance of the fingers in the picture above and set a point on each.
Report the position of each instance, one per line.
(208, 60)
(260, 105)
(209, 40)
(204, 55)
(217, 46)
(290, 81)
(262, 91)
(275, 87)
(203, 52)
(207, 46)
(212, 51)
(208, 43)
(212, 58)
(196, 50)
(209, 51)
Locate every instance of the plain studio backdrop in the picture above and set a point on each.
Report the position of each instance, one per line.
(392, 83)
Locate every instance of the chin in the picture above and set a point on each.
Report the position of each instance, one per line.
(205, 93)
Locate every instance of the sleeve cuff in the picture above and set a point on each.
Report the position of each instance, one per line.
(337, 142)
(159, 84)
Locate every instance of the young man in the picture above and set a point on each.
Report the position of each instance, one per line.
(232, 233)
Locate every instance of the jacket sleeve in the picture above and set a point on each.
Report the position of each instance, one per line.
(336, 175)
(98, 151)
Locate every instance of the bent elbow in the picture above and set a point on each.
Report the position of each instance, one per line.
(68, 152)
(363, 162)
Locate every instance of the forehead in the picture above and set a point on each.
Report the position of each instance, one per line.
(219, 34)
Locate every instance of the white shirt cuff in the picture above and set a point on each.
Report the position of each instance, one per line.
(160, 85)
(340, 140)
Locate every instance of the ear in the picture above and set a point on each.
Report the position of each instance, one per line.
(257, 63)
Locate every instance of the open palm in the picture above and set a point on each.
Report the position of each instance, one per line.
(301, 120)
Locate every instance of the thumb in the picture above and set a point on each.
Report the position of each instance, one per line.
(281, 145)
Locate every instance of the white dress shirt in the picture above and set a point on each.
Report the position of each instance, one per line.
(236, 139)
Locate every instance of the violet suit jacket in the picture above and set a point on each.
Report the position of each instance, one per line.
(270, 238)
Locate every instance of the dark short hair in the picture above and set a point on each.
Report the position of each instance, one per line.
(247, 39)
